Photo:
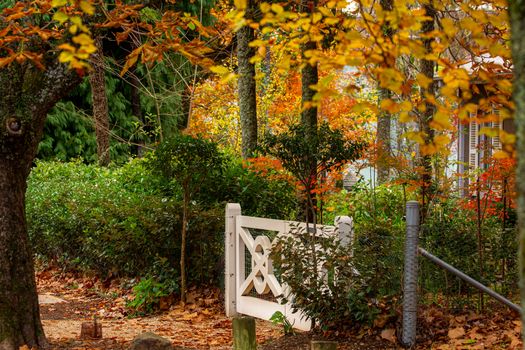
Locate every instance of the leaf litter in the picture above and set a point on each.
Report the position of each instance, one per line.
(202, 323)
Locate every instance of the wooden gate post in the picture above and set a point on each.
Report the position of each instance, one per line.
(244, 333)
(230, 288)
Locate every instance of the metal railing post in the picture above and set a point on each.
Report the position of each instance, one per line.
(410, 274)
(230, 293)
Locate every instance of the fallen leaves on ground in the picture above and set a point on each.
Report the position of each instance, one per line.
(202, 324)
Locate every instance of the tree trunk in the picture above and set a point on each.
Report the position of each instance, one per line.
(26, 95)
(517, 13)
(427, 69)
(100, 105)
(384, 149)
(247, 92)
(309, 77)
(383, 141)
(19, 312)
(185, 217)
(136, 109)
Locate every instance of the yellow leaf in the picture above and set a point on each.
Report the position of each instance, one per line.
(389, 105)
(441, 121)
(415, 136)
(60, 17)
(278, 9)
(221, 70)
(261, 51)
(441, 140)
(423, 80)
(500, 155)
(331, 21)
(83, 40)
(428, 149)
(405, 117)
(491, 132)
(130, 62)
(326, 12)
(228, 77)
(58, 3)
(405, 106)
(257, 43)
(448, 27)
(67, 47)
(391, 79)
(497, 49)
(240, 4)
(316, 17)
(265, 7)
(507, 138)
(87, 7)
(65, 57)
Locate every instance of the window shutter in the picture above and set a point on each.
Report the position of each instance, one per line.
(473, 142)
(496, 142)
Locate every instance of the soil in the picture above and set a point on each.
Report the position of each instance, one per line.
(201, 323)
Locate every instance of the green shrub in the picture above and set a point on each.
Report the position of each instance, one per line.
(121, 222)
(84, 215)
(258, 195)
(333, 289)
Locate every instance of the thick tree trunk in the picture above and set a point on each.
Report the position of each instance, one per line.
(247, 91)
(100, 105)
(26, 94)
(517, 14)
(19, 312)
(427, 69)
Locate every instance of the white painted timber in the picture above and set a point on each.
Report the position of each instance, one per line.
(233, 210)
(240, 288)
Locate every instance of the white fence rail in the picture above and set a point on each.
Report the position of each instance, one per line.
(255, 290)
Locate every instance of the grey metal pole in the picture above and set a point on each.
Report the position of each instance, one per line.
(470, 280)
(410, 275)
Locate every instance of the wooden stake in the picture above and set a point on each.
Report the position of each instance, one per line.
(244, 333)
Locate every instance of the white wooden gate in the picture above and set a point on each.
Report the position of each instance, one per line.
(255, 290)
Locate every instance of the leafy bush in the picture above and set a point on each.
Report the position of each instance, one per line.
(259, 195)
(450, 232)
(331, 287)
(88, 217)
(120, 222)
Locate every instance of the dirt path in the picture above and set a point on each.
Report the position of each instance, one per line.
(68, 301)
